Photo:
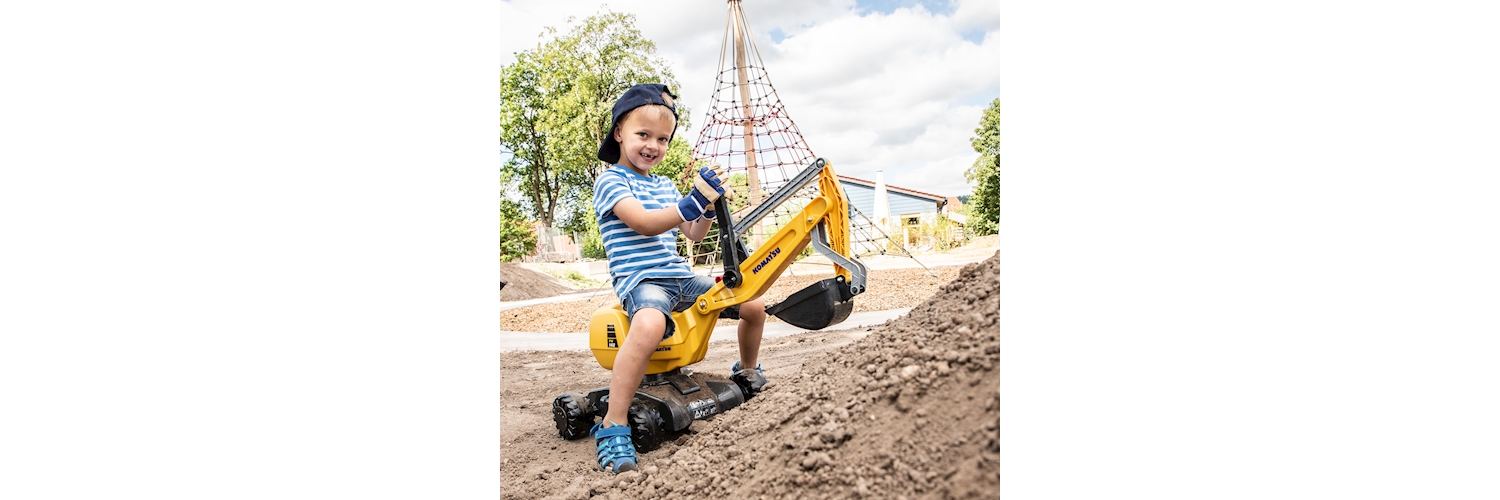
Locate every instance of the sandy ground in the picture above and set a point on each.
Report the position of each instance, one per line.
(894, 282)
(531, 281)
(888, 289)
(909, 409)
(978, 249)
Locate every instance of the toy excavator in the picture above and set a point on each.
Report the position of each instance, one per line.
(671, 396)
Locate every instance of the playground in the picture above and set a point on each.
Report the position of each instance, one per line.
(905, 409)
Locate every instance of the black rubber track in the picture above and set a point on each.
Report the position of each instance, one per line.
(571, 414)
(645, 428)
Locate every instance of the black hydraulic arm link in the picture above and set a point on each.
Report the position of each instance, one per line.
(764, 208)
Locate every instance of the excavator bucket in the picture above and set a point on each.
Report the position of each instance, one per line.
(821, 304)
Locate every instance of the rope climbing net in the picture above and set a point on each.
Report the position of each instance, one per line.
(747, 129)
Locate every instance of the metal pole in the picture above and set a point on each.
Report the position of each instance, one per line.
(752, 174)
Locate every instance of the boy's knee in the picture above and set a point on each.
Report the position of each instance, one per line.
(754, 310)
(649, 322)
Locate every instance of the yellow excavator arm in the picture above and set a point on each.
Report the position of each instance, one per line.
(823, 223)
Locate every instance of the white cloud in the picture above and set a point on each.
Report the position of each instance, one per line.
(942, 176)
(890, 92)
(978, 14)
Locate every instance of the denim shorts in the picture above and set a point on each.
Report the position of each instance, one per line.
(667, 295)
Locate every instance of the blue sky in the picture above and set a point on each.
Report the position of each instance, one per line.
(941, 7)
(887, 85)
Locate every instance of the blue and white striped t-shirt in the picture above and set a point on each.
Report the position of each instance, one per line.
(633, 256)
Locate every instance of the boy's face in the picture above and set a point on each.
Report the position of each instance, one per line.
(644, 136)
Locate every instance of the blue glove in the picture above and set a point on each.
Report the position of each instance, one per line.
(706, 189)
(691, 207)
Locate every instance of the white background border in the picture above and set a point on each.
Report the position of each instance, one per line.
(249, 250)
(1249, 250)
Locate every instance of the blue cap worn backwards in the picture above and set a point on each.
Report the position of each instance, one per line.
(637, 96)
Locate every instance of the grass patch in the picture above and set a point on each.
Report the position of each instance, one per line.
(575, 278)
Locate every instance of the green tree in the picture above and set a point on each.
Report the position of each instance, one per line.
(740, 185)
(983, 206)
(602, 57)
(527, 139)
(556, 101)
(516, 238)
(592, 246)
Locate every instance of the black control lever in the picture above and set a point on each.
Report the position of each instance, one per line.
(730, 250)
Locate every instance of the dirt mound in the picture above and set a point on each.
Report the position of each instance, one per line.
(525, 284)
(910, 410)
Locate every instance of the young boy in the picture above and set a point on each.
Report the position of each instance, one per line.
(638, 216)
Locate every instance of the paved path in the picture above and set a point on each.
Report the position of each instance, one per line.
(544, 341)
(594, 295)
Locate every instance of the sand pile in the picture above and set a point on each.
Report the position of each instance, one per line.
(909, 411)
(525, 284)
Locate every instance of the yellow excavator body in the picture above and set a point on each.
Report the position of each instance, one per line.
(826, 216)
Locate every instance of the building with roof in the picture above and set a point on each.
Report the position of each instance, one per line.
(897, 209)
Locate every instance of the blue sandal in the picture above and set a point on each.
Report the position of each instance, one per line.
(615, 447)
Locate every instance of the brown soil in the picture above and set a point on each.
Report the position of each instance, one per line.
(887, 289)
(909, 409)
(525, 284)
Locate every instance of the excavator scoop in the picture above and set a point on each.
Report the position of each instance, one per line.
(827, 302)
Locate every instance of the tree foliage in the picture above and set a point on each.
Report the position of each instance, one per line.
(516, 238)
(555, 103)
(739, 183)
(524, 134)
(983, 206)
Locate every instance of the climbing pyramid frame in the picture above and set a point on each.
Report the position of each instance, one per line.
(747, 129)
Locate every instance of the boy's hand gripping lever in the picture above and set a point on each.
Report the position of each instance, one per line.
(707, 188)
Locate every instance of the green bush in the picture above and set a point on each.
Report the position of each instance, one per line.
(983, 208)
(593, 245)
(937, 233)
(516, 238)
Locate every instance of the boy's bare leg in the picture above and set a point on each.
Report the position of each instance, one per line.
(646, 329)
(752, 325)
